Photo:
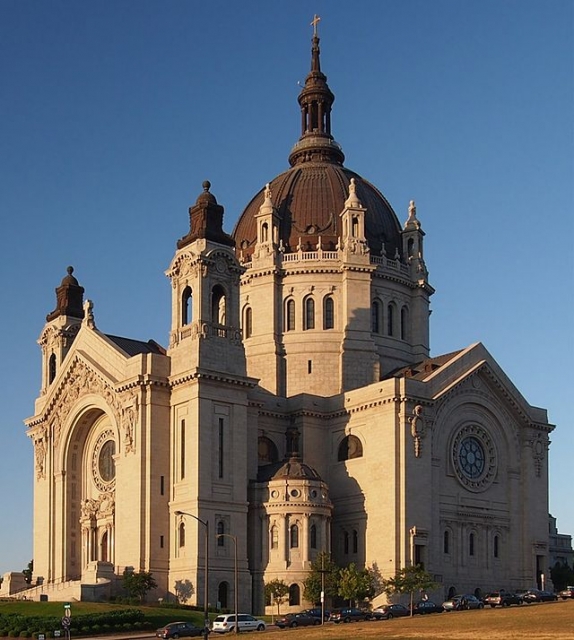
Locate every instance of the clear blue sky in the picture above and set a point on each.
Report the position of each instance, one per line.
(112, 113)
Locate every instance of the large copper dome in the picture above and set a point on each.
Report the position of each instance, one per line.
(310, 196)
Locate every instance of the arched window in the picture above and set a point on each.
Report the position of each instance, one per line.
(349, 448)
(410, 247)
(186, 306)
(308, 314)
(355, 541)
(247, 322)
(182, 534)
(51, 368)
(391, 320)
(294, 595)
(355, 227)
(328, 313)
(264, 232)
(223, 594)
(313, 536)
(404, 323)
(104, 547)
(290, 315)
(218, 310)
(274, 537)
(376, 317)
(220, 532)
(471, 544)
(345, 542)
(294, 536)
(266, 450)
(496, 548)
(446, 542)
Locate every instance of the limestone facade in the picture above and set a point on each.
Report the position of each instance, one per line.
(296, 408)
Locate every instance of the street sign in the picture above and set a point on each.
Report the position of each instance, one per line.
(66, 622)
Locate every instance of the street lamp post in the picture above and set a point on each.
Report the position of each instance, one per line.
(236, 586)
(205, 523)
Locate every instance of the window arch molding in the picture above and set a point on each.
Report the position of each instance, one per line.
(350, 447)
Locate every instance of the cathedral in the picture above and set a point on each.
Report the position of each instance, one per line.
(294, 409)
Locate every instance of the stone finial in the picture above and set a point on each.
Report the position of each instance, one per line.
(412, 220)
(89, 314)
(352, 202)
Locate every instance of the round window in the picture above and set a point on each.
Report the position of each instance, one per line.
(103, 461)
(474, 457)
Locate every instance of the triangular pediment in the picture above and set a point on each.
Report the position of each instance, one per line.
(474, 363)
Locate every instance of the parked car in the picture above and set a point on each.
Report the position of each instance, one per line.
(349, 614)
(502, 599)
(179, 630)
(292, 620)
(226, 623)
(536, 595)
(466, 601)
(389, 611)
(427, 606)
(567, 593)
(317, 612)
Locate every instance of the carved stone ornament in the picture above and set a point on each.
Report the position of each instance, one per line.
(40, 439)
(130, 417)
(474, 457)
(79, 382)
(418, 428)
(539, 446)
(103, 506)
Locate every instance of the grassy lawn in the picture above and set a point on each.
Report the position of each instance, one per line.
(156, 615)
(548, 621)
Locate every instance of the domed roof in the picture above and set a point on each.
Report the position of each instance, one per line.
(309, 198)
(292, 468)
(311, 195)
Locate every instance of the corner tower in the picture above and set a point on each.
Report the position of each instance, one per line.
(209, 431)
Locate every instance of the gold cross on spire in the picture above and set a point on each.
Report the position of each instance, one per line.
(314, 23)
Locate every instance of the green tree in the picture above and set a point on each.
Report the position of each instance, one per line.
(321, 566)
(276, 591)
(562, 575)
(409, 580)
(137, 584)
(355, 585)
(28, 571)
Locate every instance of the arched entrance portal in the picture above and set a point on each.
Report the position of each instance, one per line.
(90, 481)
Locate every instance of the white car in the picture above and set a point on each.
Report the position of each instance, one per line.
(226, 623)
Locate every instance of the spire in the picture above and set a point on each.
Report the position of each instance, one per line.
(316, 100)
(206, 220)
(69, 298)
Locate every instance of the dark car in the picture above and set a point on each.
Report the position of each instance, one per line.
(427, 606)
(389, 611)
(179, 630)
(349, 614)
(317, 612)
(466, 601)
(536, 595)
(292, 620)
(502, 599)
(567, 593)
